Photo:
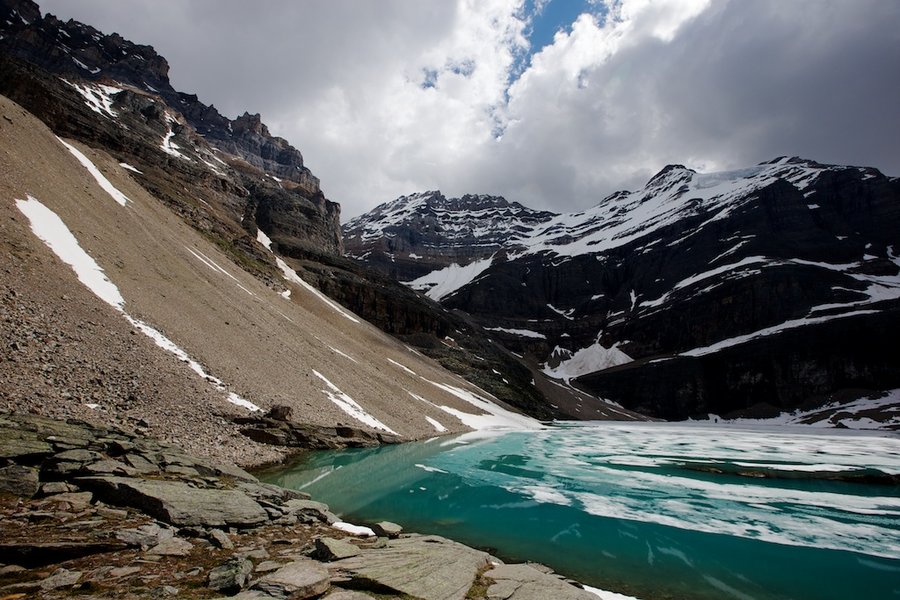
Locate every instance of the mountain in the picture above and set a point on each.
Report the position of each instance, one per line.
(408, 237)
(175, 271)
(764, 288)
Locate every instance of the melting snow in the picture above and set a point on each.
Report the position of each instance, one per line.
(443, 282)
(50, 229)
(496, 417)
(350, 406)
(587, 360)
(358, 530)
(436, 424)
(102, 181)
(130, 168)
(97, 97)
(520, 332)
(291, 275)
(215, 267)
(405, 368)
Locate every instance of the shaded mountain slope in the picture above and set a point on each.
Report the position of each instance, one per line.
(230, 179)
(253, 344)
(799, 258)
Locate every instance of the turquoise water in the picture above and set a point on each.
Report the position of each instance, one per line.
(648, 510)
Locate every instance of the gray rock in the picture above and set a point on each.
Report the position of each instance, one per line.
(19, 480)
(329, 549)
(141, 464)
(267, 566)
(231, 576)
(310, 508)
(296, 581)
(39, 553)
(387, 529)
(15, 446)
(427, 567)
(6, 570)
(123, 572)
(57, 487)
(178, 503)
(76, 500)
(60, 578)
(174, 546)
(524, 582)
(221, 539)
(110, 466)
(145, 536)
(78, 455)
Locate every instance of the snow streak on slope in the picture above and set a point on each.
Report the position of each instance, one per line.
(104, 183)
(291, 275)
(496, 417)
(350, 406)
(443, 282)
(51, 230)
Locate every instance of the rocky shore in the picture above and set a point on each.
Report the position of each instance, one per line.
(98, 512)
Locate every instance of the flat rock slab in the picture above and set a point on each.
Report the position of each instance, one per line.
(296, 581)
(426, 567)
(522, 582)
(333, 549)
(19, 480)
(178, 503)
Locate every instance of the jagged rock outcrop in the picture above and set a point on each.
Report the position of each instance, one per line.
(791, 255)
(67, 73)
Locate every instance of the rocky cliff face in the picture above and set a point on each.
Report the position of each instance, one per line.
(771, 266)
(68, 72)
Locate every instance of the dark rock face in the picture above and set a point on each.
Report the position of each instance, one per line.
(767, 266)
(109, 92)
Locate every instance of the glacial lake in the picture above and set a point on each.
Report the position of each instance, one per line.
(653, 511)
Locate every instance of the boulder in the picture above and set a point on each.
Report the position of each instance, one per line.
(329, 549)
(173, 546)
(387, 529)
(296, 581)
(145, 536)
(178, 503)
(60, 578)
(19, 480)
(231, 576)
(36, 553)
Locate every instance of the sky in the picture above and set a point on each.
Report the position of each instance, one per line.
(551, 103)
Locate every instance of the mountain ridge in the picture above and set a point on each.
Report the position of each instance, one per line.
(679, 268)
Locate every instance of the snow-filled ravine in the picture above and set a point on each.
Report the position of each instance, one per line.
(647, 510)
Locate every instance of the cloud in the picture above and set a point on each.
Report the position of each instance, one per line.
(390, 97)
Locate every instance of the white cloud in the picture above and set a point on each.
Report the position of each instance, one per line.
(709, 84)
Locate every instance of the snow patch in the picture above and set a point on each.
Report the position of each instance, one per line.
(587, 360)
(396, 364)
(496, 418)
(350, 406)
(51, 230)
(443, 282)
(102, 181)
(436, 424)
(130, 168)
(357, 530)
(520, 332)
